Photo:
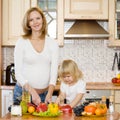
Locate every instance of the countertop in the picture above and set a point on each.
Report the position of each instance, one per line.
(97, 86)
(89, 86)
(114, 116)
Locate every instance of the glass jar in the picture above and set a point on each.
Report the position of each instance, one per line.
(26, 96)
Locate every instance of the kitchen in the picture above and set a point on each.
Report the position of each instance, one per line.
(93, 55)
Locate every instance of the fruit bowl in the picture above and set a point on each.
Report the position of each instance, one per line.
(46, 114)
(95, 115)
(116, 84)
(116, 81)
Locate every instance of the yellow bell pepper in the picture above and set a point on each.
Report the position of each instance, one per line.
(53, 108)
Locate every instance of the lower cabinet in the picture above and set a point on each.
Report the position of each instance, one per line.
(117, 100)
(6, 100)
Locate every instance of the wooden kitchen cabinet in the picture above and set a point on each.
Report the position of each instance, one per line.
(86, 9)
(114, 23)
(117, 100)
(6, 100)
(12, 16)
(80, 9)
(0, 40)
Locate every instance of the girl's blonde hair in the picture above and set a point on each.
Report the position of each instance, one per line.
(69, 67)
(26, 28)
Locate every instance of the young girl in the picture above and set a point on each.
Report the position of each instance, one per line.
(72, 86)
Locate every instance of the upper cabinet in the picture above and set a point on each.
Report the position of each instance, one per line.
(65, 10)
(12, 15)
(86, 9)
(114, 23)
(0, 42)
(71, 10)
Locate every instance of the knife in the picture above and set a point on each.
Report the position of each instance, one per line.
(115, 60)
(119, 62)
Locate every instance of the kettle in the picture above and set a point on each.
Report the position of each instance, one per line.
(10, 75)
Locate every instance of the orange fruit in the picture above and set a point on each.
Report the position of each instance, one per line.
(90, 109)
(98, 111)
(103, 108)
(31, 109)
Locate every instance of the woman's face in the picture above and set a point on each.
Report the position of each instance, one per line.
(68, 79)
(35, 21)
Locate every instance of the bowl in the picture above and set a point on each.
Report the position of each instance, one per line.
(116, 84)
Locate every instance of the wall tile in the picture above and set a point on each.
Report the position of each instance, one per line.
(93, 57)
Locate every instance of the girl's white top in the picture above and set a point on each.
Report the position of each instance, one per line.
(39, 69)
(72, 91)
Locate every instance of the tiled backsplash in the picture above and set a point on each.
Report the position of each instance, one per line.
(93, 57)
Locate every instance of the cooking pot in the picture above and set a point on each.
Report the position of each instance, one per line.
(10, 75)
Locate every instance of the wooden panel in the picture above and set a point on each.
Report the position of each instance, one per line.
(117, 96)
(112, 23)
(13, 11)
(117, 107)
(0, 105)
(0, 56)
(60, 21)
(0, 41)
(86, 9)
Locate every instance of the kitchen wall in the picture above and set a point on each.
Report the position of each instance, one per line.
(93, 57)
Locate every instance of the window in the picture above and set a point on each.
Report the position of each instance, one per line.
(49, 8)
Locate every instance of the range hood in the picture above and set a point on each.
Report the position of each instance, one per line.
(86, 29)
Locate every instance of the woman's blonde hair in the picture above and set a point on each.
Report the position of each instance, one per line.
(26, 28)
(69, 67)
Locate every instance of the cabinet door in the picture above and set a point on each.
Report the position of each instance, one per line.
(60, 21)
(117, 96)
(117, 107)
(6, 100)
(114, 23)
(12, 16)
(117, 100)
(86, 9)
(53, 10)
(0, 40)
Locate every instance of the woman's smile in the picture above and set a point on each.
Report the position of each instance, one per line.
(35, 21)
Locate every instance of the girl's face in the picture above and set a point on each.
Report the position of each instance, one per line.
(68, 79)
(35, 21)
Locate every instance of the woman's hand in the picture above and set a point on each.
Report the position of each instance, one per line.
(36, 99)
(48, 98)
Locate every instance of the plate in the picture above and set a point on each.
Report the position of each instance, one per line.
(95, 115)
(46, 114)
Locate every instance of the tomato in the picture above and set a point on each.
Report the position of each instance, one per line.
(118, 80)
(41, 107)
(66, 109)
(114, 80)
(90, 109)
